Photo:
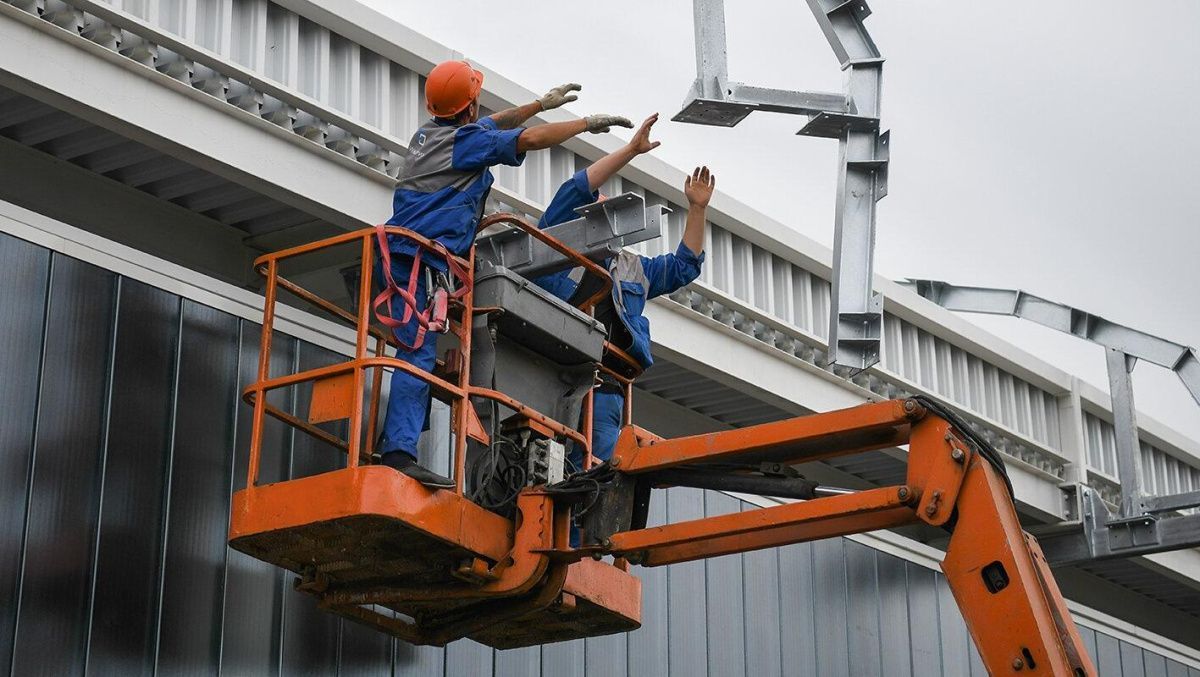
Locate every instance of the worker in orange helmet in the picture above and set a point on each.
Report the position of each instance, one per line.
(440, 194)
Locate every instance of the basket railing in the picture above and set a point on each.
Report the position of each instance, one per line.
(342, 388)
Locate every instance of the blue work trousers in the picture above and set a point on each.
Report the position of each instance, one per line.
(607, 411)
(408, 404)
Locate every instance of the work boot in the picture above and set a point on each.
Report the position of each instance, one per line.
(398, 460)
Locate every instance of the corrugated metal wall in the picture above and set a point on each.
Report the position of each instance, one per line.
(122, 437)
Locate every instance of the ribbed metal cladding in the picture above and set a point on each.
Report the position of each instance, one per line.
(75, 140)
(122, 437)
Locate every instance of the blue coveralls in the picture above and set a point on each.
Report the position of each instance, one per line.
(658, 275)
(440, 194)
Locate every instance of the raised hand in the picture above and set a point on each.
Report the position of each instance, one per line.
(560, 96)
(699, 186)
(641, 143)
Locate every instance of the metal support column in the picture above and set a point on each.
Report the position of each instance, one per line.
(856, 312)
(712, 68)
(1129, 448)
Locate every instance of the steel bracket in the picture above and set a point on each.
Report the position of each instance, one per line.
(602, 229)
(714, 112)
(1133, 532)
(1100, 535)
(725, 104)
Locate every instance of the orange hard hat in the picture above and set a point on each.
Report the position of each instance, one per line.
(451, 87)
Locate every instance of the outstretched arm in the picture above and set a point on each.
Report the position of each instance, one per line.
(699, 189)
(669, 272)
(511, 118)
(554, 133)
(603, 169)
(514, 117)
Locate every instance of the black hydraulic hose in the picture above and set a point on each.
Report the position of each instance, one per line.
(980, 444)
(759, 485)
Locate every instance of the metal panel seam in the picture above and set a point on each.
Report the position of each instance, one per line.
(281, 610)
(109, 373)
(168, 469)
(29, 473)
(231, 452)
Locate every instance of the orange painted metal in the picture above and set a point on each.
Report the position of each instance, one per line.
(999, 577)
(514, 573)
(532, 415)
(373, 408)
(937, 464)
(619, 364)
(370, 490)
(1023, 627)
(807, 438)
(589, 410)
(332, 399)
(766, 527)
(460, 409)
(595, 599)
(605, 585)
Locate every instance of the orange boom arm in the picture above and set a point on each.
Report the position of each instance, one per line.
(999, 578)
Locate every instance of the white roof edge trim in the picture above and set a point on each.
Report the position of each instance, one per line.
(1151, 430)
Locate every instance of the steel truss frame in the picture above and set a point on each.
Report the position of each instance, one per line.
(1140, 526)
(856, 310)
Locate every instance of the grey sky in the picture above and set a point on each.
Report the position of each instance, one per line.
(1045, 146)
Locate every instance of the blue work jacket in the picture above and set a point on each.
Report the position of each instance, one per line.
(636, 279)
(445, 181)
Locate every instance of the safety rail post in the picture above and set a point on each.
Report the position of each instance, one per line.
(589, 408)
(360, 353)
(627, 414)
(376, 387)
(459, 409)
(264, 372)
(459, 394)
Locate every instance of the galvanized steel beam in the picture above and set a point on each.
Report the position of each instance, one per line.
(601, 231)
(1123, 346)
(1129, 446)
(1181, 359)
(856, 312)
(1190, 499)
(1100, 535)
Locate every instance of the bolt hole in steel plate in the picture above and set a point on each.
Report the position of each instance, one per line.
(714, 112)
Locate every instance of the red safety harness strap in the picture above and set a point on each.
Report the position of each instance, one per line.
(435, 316)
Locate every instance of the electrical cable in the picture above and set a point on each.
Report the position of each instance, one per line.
(980, 444)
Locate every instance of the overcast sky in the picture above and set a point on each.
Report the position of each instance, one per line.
(1043, 146)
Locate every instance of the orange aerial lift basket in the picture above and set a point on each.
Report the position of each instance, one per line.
(376, 546)
(432, 566)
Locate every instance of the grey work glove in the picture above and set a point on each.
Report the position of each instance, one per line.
(559, 96)
(599, 124)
